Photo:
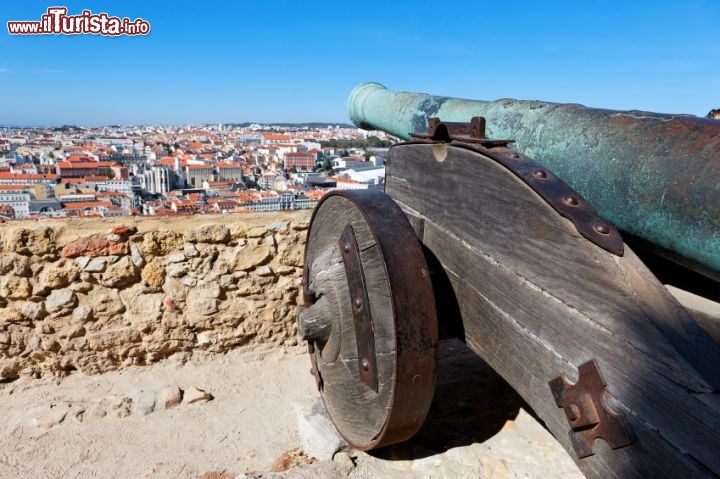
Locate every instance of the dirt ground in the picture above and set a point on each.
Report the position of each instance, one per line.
(125, 424)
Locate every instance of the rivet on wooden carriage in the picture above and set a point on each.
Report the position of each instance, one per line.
(523, 240)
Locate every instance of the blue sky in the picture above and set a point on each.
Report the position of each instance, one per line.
(222, 62)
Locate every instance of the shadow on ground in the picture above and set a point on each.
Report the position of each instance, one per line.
(471, 404)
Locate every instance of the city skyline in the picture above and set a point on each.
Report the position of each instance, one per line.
(297, 63)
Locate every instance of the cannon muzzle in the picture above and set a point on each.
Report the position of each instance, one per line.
(655, 176)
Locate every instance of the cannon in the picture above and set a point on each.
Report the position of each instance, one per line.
(536, 233)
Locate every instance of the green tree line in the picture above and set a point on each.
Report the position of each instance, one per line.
(369, 142)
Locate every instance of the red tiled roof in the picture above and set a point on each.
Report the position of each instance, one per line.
(26, 176)
(85, 164)
(275, 136)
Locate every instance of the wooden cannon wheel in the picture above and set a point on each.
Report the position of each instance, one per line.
(369, 318)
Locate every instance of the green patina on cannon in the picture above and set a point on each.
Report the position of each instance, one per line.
(507, 224)
(654, 176)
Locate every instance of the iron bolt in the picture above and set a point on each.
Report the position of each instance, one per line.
(346, 247)
(570, 201)
(573, 412)
(540, 174)
(602, 229)
(365, 364)
(358, 303)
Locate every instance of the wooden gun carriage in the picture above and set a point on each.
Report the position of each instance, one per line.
(473, 238)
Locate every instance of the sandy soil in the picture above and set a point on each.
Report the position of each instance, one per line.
(106, 425)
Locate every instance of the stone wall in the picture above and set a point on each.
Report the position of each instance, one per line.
(99, 294)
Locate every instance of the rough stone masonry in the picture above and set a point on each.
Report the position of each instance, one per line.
(95, 295)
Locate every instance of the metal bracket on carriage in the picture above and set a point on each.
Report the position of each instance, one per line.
(364, 334)
(473, 132)
(588, 417)
(556, 193)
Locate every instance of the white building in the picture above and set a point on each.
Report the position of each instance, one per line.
(18, 200)
(159, 180)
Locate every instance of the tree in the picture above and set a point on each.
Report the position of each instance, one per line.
(107, 172)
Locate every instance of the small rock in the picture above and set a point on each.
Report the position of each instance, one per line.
(300, 225)
(176, 257)
(144, 402)
(32, 241)
(93, 245)
(114, 238)
(318, 436)
(76, 331)
(54, 417)
(203, 306)
(209, 234)
(60, 274)
(270, 241)
(345, 462)
(169, 396)
(141, 305)
(189, 282)
(161, 242)
(280, 226)
(153, 274)
(51, 345)
(11, 315)
(177, 270)
(256, 232)
(190, 251)
(34, 311)
(82, 314)
(264, 271)
(60, 299)
(82, 287)
(33, 343)
(120, 274)
(193, 395)
(78, 413)
(122, 406)
(14, 287)
(227, 280)
(96, 265)
(124, 230)
(82, 261)
(98, 411)
(249, 257)
(136, 256)
(283, 269)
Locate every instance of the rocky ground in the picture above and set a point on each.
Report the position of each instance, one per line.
(249, 414)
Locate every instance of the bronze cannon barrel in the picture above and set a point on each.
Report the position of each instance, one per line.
(655, 176)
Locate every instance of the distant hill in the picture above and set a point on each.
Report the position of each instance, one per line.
(310, 125)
